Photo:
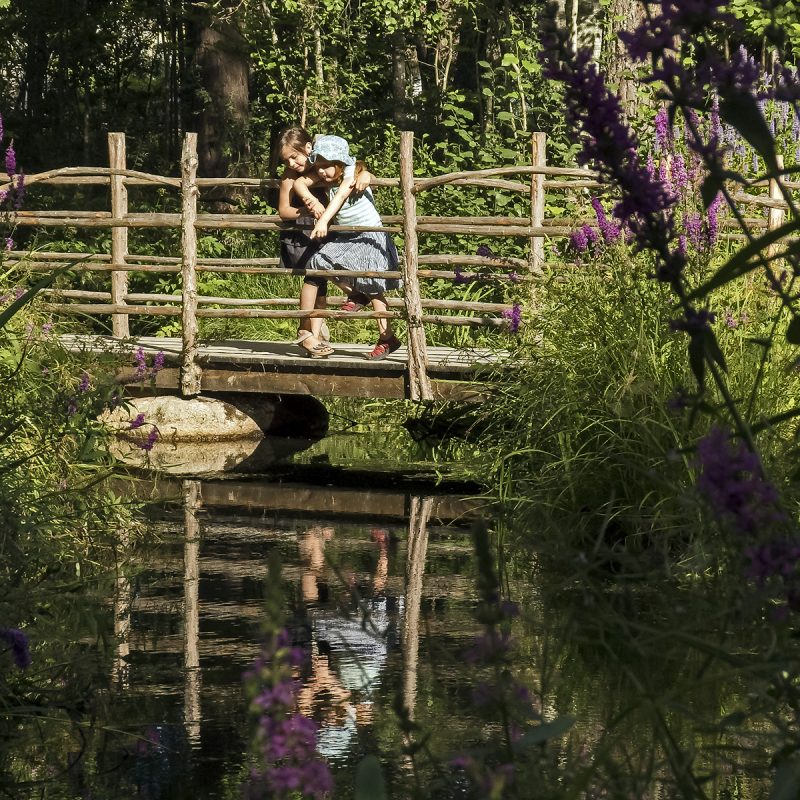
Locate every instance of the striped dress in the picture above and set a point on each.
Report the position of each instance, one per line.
(360, 250)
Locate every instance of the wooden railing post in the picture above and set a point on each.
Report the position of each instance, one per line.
(538, 159)
(775, 216)
(190, 369)
(119, 236)
(419, 382)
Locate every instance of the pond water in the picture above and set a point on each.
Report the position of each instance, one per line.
(164, 715)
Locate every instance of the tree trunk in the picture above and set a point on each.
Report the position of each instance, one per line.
(620, 69)
(221, 59)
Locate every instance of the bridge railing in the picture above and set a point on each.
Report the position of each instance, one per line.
(416, 267)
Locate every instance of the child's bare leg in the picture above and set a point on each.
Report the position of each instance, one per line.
(384, 325)
(310, 298)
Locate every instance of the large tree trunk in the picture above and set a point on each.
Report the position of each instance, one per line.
(620, 69)
(221, 59)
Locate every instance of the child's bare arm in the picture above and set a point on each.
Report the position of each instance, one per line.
(285, 208)
(302, 188)
(321, 228)
(363, 177)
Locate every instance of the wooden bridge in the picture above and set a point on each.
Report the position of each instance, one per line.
(416, 371)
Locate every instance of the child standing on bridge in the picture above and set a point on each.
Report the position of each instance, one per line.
(360, 250)
(292, 148)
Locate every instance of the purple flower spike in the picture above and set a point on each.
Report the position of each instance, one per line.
(11, 160)
(137, 422)
(83, 386)
(663, 138)
(485, 252)
(514, 317)
(20, 648)
(732, 482)
(608, 230)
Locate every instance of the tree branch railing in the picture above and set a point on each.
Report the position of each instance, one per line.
(416, 309)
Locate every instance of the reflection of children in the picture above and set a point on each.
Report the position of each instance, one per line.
(342, 697)
(292, 148)
(361, 250)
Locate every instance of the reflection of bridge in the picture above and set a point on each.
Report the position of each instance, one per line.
(268, 517)
(417, 371)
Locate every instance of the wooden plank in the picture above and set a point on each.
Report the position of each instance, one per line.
(119, 236)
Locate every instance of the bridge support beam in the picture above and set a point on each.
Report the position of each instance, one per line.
(190, 369)
(419, 382)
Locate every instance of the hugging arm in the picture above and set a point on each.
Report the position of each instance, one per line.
(302, 186)
(321, 228)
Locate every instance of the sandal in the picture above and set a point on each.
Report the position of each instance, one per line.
(302, 335)
(383, 348)
(319, 350)
(355, 302)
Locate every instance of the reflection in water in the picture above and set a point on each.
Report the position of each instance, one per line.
(190, 624)
(349, 646)
(191, 612)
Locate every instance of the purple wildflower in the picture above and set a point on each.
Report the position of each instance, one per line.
(693, 225)
(608, 230)
(137, 422)
(2, 130)
(712, 221)
(72, 407)
(578, 239)
(662, 130)
(9, 243)
(461, 277)
(149, 442)
(732, 482)
(774, 559)
(83, 386)
(485, 252)
(47, 327)
(141, 364)
(680, 177)
(695, 321)
(158, 364)
(20, 647)
(11, 160)
(680, 400)
(514, 276)
(514, 317)
(730, 320)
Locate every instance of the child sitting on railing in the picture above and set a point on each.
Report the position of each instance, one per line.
(360, 250)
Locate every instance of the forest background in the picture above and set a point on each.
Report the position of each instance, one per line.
(463, 74)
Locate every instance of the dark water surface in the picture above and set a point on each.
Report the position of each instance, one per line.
(164, 713)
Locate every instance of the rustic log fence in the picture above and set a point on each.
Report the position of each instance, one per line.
(413, 307)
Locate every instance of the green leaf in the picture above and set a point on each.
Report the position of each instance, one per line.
(740, 263)
(793, 331)
(508, 60)
(33, 291)
(369, 780)
(741, 110)
(697, 359)
(712, 349)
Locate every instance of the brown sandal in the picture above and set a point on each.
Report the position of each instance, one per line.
(319, 350)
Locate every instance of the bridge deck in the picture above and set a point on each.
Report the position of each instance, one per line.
(281, 368)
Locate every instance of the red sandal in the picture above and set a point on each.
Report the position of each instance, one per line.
(383, 348)
(355, 302)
